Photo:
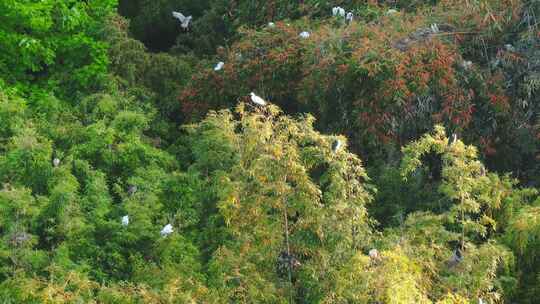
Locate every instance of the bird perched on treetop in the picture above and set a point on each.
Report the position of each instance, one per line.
(219, 66)
(338, 11)
(168, 229)
(304, 34)
(184, 21)
(125, 220)
(350, 17)
(336, 145)
(257, 100)
(56, 162)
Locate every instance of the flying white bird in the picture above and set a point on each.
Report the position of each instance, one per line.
(336, 145)
(350, 17)
(219, 66)
(304, 34)
(168, 229)
(56, 162)
(184, 21)
(257, 100)
(125, 220)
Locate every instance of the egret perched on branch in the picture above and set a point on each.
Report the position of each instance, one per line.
(168, 229)
(184, 21)
(509, 47)
(56, 162)
(271, 25)
(338, 11)
(336, 145)
(350, 17)
(219, 66)
(304, 34)
(125, 220)
(374, 254)
(466, 64)
(257, 100)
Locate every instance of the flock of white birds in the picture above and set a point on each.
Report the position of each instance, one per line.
(257, 100)
(167, 229)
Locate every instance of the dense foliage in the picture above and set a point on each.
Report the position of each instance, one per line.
(395, 162)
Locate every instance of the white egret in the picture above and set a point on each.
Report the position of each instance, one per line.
(168, 229)
(336, 145)
(509, 47)
(434, 28)
(374, 254)
(454, 138)
(304, 34)
(219, 66)
(338, 11)
(391, 11)
(56, 162)
(350, 17)
(271, 25)
(466, 64)
(257, 100)
(125, 220)
(184, 21)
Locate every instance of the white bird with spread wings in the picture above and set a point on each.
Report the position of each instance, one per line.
(184, 21)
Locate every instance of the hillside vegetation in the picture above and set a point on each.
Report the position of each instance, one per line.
(397, 159)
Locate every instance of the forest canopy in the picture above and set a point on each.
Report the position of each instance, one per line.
(179, 151)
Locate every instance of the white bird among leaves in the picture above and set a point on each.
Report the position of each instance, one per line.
(257, 100)
(304, 34)
(271, 25)
(56, 162)
(434, 28)
(374, 254)
(336, 145)
(219, 66)
(466, 64)
(125, 220)
(391, 11)
(168, 229)
(350, 17)
(338, 11)
(184, 21)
